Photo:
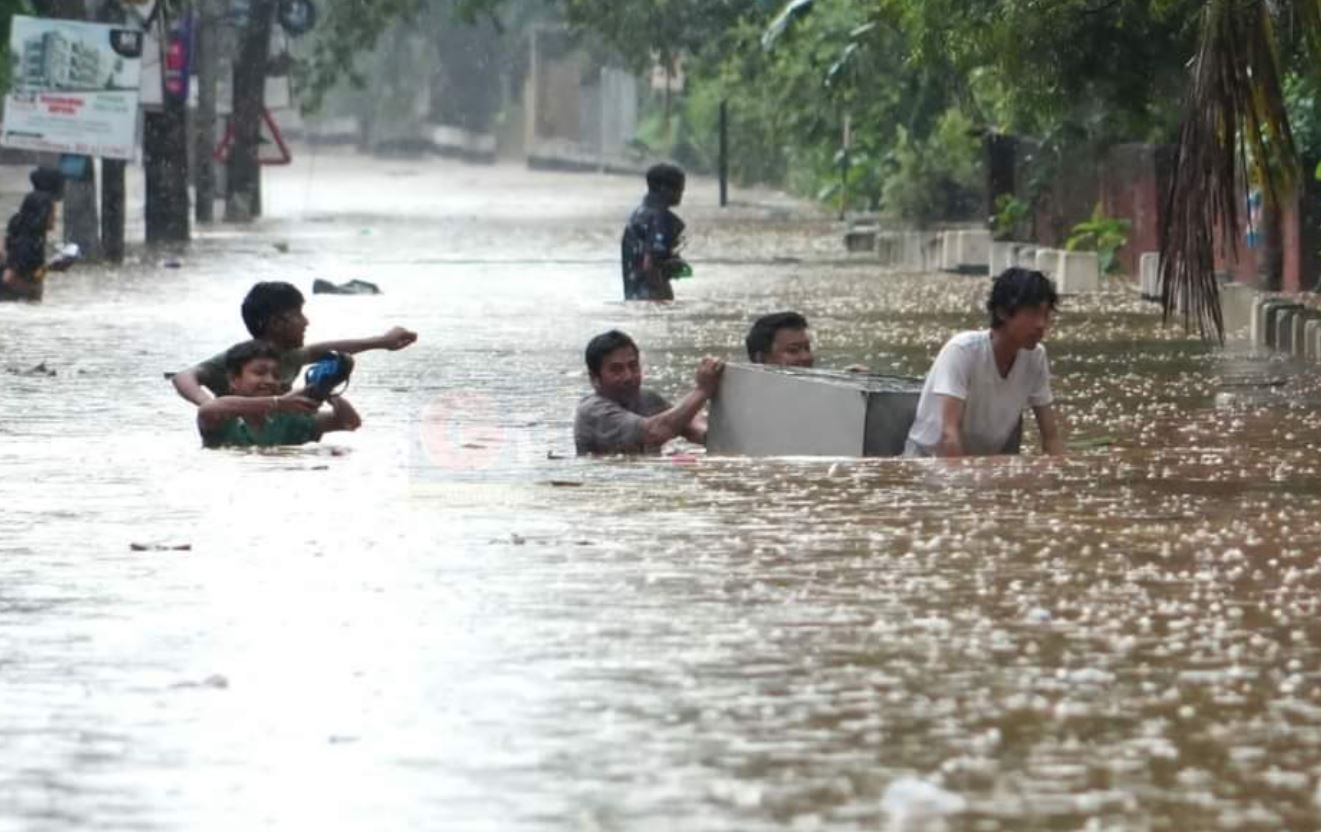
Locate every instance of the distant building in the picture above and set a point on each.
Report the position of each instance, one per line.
(54, 62)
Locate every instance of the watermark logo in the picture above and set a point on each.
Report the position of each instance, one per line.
(460, 432)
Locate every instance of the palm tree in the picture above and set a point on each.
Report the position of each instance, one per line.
(1235, 130)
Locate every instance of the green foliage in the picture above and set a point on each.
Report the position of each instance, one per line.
(1011, 214)
(1112, 70)
(859, 186)
(667, 29)
(688, 133)
(1101, 234)
(787, 104)
(937, 177)
(346, 30)
(8, 8)
(1303, 103)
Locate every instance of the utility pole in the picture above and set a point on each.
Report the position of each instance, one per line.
(844, 163)
(113, 210)
(165, 147)
(207, 41)
(532, 98)
(243, 178)
(724, 153)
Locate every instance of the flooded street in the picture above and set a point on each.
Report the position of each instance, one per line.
(445, 621)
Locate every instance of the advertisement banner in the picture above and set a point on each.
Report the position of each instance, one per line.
(74, 88)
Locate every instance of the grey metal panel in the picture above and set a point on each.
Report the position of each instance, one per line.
(764, 412)
(779, 411)
(889, 418)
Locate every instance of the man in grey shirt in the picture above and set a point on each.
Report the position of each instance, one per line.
(621, 417)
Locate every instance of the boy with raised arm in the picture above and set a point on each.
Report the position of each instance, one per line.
(273, 312)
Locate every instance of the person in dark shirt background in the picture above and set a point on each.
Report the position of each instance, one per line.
(653, 237)
(24, 258)
(49, 181)
(25, 248)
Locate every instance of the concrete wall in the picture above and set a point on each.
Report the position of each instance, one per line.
(1131, 181)
(558, 88)
(577, 115)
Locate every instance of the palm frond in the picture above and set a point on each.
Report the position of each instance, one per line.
(1235, 129)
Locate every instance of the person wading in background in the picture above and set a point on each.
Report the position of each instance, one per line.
(653, 237)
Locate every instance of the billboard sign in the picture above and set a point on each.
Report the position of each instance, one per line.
(74, 87)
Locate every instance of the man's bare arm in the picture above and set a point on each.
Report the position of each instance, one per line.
(188, 384)
(661, 428)
(1047, 423)
(216, 411)
(395, 339)
(696, 430)
(951, 422)
(342, 416)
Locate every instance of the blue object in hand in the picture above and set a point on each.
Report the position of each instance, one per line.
(327, 374)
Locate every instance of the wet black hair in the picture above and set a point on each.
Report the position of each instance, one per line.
(237, 356)
(604, 344)
(25, 236)
(33, 214)
(665, 176)
(762, 335)
(49, 181)
(268, 300)
(1016, 288)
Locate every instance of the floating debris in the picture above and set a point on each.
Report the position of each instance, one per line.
(351, 287)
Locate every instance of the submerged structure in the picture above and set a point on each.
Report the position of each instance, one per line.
(786, 411)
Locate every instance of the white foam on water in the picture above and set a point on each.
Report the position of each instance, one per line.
(912, 804)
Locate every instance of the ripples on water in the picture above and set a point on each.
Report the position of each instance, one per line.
(441, 622)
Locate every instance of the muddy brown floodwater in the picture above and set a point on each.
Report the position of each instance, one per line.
(439, 623)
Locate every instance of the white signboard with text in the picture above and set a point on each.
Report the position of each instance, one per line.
(73, 88)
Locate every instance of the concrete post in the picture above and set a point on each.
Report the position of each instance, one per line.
(1149, 276)
(1079, 272)
(1261, 316)
(1048, 262)
(1298, 343)
(1238, 307)
(1275, 318)
(1311, 331)
(1001, 257)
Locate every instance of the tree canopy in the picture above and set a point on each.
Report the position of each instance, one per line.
(1223, 79)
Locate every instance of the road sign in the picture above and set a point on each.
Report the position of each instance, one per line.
(297, 17)
(271, 147)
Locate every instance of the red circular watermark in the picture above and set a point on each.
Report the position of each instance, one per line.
(460, 431)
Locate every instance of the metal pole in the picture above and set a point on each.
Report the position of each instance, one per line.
(844, 170)
(600, 117)
(724, 153)
(207, 60)
(533, 92)
(113, 213)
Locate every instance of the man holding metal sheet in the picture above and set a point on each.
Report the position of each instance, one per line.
(973, 399)
(623, 417)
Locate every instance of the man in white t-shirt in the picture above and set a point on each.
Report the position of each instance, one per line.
(974, 396)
